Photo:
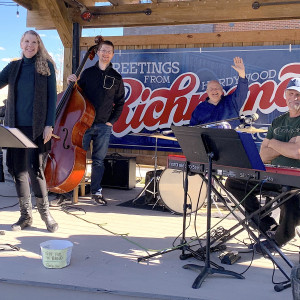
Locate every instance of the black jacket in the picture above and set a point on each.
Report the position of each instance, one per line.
(40, 102)
(105, 90)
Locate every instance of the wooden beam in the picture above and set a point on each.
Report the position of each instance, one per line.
(71, 3)
(28, 4)
(89, 2)
(63, 25)
(286, 36)
(169, 13)
(114, 2)
(128, 2)
(39, 19)
(185, 12)
(67, 65)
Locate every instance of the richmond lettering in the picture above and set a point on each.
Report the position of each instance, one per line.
(152, 109)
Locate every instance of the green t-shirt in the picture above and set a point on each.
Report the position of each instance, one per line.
(283, 129)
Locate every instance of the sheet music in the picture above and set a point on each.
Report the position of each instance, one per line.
(14, 138)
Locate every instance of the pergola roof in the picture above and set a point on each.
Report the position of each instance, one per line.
(60, 15)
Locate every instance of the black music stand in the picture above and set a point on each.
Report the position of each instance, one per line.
(206, 145)
(14, 138)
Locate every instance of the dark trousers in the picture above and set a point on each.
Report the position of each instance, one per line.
(289, 211)
(27, 163)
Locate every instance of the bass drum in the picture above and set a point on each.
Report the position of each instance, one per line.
(171, 190)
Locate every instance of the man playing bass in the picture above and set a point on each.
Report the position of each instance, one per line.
(103, 86)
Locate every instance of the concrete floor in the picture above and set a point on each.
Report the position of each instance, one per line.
(107, 243)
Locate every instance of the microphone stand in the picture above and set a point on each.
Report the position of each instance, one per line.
(242, 117)
(219, 122)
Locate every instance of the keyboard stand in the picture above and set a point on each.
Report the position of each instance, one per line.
(267, 208)
(197, 142)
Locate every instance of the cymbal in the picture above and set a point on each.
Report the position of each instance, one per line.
(251, 129)
(155, 135)
(165, 137)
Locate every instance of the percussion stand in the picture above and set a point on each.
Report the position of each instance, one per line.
(154, 179)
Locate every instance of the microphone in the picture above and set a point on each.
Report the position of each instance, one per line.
(249, 119)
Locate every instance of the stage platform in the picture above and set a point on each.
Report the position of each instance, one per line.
(108, 240)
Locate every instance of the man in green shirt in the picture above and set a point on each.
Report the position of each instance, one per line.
(282, 143)
(281, 147)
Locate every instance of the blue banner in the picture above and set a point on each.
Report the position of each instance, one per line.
(163, 87)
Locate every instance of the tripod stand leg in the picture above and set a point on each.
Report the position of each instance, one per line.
(142, 191)
(205, 271)
(153, 178)
(200, 278)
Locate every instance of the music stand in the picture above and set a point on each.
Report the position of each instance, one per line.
(14, 138)
(205, 145)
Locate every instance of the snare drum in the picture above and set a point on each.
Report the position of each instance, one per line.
(171, 190)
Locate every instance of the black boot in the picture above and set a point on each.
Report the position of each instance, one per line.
(43, 208)
(25, 219)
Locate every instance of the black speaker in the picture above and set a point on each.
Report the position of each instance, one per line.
(119, 172)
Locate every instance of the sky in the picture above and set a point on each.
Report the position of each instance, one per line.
(13, 27)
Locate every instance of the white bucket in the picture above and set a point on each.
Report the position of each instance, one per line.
(56, 254)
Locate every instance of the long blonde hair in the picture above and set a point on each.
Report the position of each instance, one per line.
(42, 56)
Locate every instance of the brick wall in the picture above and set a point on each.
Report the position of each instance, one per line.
(259, 25)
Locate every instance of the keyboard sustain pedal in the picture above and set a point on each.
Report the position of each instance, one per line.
(230, 257)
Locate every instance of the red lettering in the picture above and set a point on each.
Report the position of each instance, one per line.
(260, 95)
(290, 70)
(160, 108)
(182, 86)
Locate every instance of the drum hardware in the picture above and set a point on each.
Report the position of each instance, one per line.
(250, 129)
(246, 126)
(156, 135)
(218, 123)
(155, 178)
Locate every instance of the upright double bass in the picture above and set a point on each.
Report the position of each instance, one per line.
(66, 162)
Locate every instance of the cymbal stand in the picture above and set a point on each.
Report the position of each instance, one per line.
(154, 179)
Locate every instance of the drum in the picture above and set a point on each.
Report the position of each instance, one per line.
(171, 190)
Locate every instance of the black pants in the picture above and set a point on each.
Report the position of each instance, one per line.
(289, 211)
(27, 163)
